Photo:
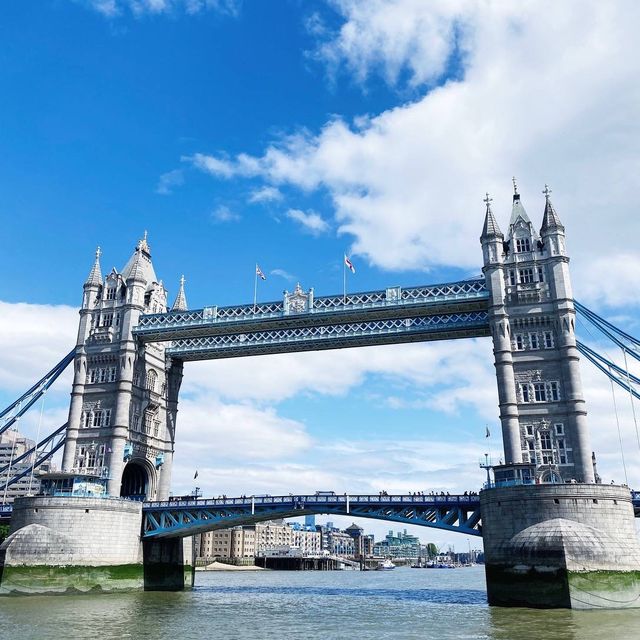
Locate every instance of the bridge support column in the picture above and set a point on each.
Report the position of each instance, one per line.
(169, 564)
(561, 546)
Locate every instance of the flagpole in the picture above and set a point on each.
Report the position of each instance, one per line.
(344, 279)
(255, 288)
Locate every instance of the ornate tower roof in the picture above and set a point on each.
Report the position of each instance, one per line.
(95, 275)
(490, 228)
(180, 303)
(139, 267)
(550, 220)
(517, 210)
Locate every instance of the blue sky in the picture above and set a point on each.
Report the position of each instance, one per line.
(287, 133)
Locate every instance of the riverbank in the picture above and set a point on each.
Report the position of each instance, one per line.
(221, 566)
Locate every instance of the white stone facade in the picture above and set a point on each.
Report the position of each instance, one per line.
(532, 320)
(124, 397)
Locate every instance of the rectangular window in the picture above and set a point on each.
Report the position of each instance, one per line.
(529, 430)
(534, 341)
(93, 375)
(107, 417)
(103, 375)
(525, 393)
(545, 440)
(107, 319)
(111, 293)
(512, 278)
(530, 445)
(519, 342)
(526, 276)
(97, 419)
(554, 391)
(156, 427)
(561, 443)
(548, 340)
(563, 459)
(86, 423)
(559, 427)
(540, 274)
(117, 319)
(523, 244)
(539, 392)
(112, 374)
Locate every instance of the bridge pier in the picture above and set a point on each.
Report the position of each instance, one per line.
(73, 544)
(561, 546)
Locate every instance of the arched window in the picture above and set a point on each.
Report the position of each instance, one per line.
(152, 378)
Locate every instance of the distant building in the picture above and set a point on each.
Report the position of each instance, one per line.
(13, 445)
(336, 542)
(263, 538)
(402, 545)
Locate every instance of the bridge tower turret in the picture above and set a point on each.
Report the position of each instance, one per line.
(118, 419)
(492, 241)
(533, 328)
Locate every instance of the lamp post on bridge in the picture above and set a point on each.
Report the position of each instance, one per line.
(488, 466)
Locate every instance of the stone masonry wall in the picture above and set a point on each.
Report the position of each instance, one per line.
(74, 531)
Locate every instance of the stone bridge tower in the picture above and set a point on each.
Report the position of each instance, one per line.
(532, 320)
(124, 399)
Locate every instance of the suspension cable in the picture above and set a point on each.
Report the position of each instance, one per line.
(33, 467)
(615, 409)
(633, 406)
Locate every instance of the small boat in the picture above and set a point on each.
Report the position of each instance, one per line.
(386, 565)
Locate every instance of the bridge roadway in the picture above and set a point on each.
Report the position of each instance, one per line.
(179, 518)
(302, 322)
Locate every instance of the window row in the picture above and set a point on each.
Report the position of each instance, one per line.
(150, 424)
(109, 320)
(98, 418)
(526, 275)
(558, 427)
(90, 457)
(102, 374)
(540, 391)
(523, 341)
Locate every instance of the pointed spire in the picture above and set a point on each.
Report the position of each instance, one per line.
(143, 245)
(95, 276)
(180, 303)
(491, 228)
(139, 266)
(550, 220)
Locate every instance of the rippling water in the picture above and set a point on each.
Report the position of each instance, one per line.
(404, 603)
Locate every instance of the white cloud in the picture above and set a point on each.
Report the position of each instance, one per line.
(169, 180)
(283, 274)
(113, 8)
(33, 338)
(534, 99)
(311, 222)
(265, 194)
(224, 214)
(391, 36)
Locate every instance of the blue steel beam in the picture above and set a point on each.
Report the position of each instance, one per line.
(181, 518)
(19, 407)
(339, 336)
(387, 304)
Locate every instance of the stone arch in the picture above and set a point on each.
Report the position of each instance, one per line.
(138, 480)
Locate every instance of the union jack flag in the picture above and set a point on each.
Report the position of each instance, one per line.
(260, 274)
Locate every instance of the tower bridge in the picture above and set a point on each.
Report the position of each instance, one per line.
(128, 365)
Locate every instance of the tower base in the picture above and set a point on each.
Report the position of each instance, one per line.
(71, 544)
(561, 546)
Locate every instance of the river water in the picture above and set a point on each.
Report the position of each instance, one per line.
(313, 605)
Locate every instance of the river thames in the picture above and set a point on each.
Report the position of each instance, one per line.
(404, 603)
